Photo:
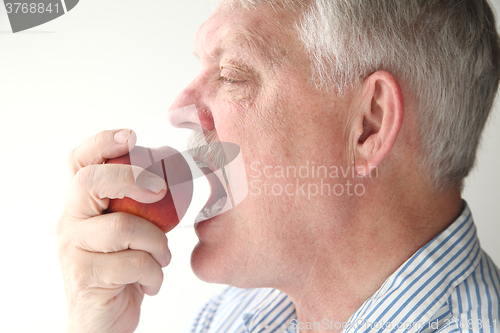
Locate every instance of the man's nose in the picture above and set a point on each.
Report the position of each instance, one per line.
(189, 110)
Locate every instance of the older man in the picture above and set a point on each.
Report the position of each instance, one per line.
(357, 121)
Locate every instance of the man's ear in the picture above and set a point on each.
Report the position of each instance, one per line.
(377, 121)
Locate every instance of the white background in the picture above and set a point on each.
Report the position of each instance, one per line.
(106, 65)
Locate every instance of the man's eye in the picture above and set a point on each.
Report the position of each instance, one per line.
(231, 76)
(227, 80)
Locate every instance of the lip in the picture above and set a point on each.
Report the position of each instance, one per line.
(218, 191)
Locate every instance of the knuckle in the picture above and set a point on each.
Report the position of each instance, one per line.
(88, 187)
(82, 275)
(101, 139)
(122, 225)
(163, 247)
(94, 140)
(127, 173)
(77, 271)
(159, 277)
(101, 136)
(130, 175)
(123, 172)
(88, 270)
(85, 177)
(141, 261)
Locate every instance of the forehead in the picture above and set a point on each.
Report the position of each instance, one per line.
(263, 33)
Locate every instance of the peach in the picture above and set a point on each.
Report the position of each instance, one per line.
(169, 164)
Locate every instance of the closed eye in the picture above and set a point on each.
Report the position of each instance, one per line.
(231, 75)
(228, 80)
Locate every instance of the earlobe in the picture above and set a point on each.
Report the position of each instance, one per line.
(378, 121)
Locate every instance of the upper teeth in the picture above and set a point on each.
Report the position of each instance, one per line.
(201, 164)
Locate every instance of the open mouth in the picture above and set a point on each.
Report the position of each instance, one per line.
(218, 193)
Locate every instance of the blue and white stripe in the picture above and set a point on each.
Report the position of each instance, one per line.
(270, 311)
(449, 285)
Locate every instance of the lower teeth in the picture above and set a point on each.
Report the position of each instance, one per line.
(211, 211)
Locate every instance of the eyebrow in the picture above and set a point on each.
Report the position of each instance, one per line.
(269, 54)
(258, 48)
(213, 56)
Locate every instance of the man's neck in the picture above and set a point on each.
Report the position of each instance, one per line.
(350, 266)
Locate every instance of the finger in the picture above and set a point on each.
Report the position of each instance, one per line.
(113, 270)
(94, 185)
(101, 147)
(121, 231)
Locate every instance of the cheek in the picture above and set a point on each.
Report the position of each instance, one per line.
(259, 116)
(239, 95)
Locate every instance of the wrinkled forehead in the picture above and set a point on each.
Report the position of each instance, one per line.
(268, 35)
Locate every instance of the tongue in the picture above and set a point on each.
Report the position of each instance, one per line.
(217, 199)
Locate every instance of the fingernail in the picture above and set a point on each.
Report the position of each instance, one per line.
(122, 136)
(155, 184)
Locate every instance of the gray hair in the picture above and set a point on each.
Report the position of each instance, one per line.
(447, 51)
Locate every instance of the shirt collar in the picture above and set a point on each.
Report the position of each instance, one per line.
(271, 315)
(410, 296)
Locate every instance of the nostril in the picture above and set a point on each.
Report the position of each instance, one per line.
(192, 118)
(185, 117)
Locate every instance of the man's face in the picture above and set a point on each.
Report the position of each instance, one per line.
(253, 90)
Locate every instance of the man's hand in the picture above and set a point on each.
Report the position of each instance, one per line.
(108, 261)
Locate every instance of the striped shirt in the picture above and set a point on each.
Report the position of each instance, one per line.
(449, 285)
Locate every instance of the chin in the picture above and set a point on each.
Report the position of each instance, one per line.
(209, 256)
(213, 265)
(204, 268)
(219, 253)
(215, 268)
